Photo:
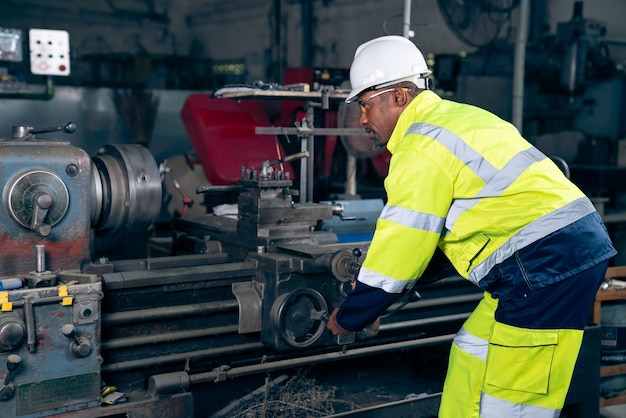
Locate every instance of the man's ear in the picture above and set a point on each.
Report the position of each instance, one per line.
(401, 97)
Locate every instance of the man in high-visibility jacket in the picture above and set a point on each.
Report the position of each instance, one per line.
(465, 181)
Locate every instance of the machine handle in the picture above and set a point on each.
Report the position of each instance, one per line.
(69, 128)
(21, 132)
(7, 389)
(264, 170)
(79, 345)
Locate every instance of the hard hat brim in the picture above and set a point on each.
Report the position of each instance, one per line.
(354, 94)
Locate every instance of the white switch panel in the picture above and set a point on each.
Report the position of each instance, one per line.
(49, 52)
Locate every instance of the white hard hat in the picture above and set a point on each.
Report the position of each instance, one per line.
(384, 61)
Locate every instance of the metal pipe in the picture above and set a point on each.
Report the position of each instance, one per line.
(406, 27)
(426, 321)
(351, 184)
(40, 254)
(519, 66)
(310, 169)
(29, 320)
(126, 342)
(179, 357)
(171, 312)
(445, 301)
(156, 381)
(148, 362)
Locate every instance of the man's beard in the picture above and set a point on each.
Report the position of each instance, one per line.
(378, 144)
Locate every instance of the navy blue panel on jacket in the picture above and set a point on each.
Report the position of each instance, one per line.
(356, 313)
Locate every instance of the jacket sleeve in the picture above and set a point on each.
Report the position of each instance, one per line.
(407, 233)
(419, 194)
(363, 306)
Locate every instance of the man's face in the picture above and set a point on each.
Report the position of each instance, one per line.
(379, 114)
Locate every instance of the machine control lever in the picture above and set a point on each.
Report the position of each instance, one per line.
(79, 345)
(29, 319)
(264, 171)
(40, 204)
(339, 211)
(22, 132)
(7, 390)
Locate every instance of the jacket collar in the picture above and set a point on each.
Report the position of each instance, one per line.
(413, 113)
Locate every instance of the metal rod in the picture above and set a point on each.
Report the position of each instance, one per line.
(167, 337)
(444, 301)
(519, 66)
(310, 171)
(180, 357)
(304, 147)
(172, 312)
(29, 319)
(406, 26)
(279, 130)
(228, 410)
(425, 321)
(335, 355)
(148, 362)
(421, 406)
(40, 253)
(351, 183)
(310, 166)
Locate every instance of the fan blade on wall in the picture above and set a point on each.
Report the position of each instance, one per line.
(477, 22)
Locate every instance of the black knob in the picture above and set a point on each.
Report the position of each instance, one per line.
(80, 346)
(69, 331)
(70, 128)
(13, 361)
(7, 389)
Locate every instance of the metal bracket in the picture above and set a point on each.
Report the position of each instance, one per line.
(250, 299)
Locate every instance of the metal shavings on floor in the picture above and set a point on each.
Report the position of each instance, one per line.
(298, 397)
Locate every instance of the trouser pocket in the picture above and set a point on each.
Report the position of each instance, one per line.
(520, 358)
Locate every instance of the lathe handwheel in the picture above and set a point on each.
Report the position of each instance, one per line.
(297, 317)
(28, 185)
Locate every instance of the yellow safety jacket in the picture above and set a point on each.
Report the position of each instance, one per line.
(465, 180)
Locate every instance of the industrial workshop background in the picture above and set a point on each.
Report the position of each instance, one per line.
(214, 302)
(167, 49)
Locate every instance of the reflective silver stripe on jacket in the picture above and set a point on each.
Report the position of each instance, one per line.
(534, 231)
(471, 344)
(497, 184)
(412, 219)
(386, 283)
(496, 181)
(492, 407)
(470, 157)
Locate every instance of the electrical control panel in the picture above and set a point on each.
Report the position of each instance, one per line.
(49, 52)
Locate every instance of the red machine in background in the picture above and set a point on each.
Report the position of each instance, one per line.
(222, 132)
(331, 166)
